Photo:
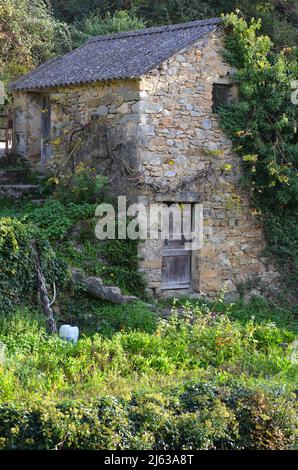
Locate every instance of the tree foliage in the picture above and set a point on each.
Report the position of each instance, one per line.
(279, 17)
(29, 34)
(31, 31)
(262, 124)
(263, 128)
(93, 25)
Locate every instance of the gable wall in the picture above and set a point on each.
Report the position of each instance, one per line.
(182, 136)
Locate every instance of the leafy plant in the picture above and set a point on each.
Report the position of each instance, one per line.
(262, 126)
(18, 282)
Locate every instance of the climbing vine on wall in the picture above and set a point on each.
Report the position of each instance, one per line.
(263, 128)
(18, 281)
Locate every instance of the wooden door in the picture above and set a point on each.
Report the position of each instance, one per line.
(45, 131)
(176, 264)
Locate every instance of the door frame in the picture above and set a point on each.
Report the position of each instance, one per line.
(45, 146)
(166, 253)
(176, 248)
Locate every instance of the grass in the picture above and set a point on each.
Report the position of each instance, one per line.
(141, 358)
(130, 351)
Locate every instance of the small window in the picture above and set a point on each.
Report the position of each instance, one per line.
(222, 94)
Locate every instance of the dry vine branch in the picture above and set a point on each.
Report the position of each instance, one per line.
(43, 293)
(84, 137)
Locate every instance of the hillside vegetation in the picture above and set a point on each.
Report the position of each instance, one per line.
(172, 375)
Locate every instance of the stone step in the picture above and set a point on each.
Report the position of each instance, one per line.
(14, 175)
(21, 187)
(16, 191)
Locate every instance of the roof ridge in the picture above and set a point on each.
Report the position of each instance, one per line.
(154, 30)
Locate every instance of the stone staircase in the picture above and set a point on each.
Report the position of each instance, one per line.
(17, 182)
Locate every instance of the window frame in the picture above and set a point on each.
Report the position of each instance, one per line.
(216, 103)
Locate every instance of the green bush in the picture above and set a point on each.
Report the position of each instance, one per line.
(197, 380)
(84, 186)
(262, 127)
(201, 416)
(56, 219)
(18, 279)
(95, 315)
(70, 227)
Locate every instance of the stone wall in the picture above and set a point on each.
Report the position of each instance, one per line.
(99, 117)
(163, 126)
(27, 108)
(181, 137)
(105, 110)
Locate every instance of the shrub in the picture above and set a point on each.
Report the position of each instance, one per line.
(200, 417)
(18, 281)
(56, 219)
(196, 381)
(84, 186)
(95, 315)
(262, 127)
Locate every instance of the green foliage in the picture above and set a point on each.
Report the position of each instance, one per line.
(282, 234)
(123, 264)
(33, 31)
(279, 17)
(56, 219)
(69, 223)
(70, 10)
(115, 261)
(262, 311)
(262, 126)
(29, 35)
(95, 315)
(242, 418)
(18, 281)
(84, 186)
(94, 25)
(136, 389)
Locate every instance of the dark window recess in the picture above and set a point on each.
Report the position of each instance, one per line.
(222, 94)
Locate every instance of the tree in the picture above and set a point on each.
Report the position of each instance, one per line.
(72, 10)
(263, 128)
(94, 25)
(279, 17)
(29, 35)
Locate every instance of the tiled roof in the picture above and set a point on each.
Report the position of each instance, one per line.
(121, 55)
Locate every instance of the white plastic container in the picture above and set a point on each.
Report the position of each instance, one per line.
(69, 333)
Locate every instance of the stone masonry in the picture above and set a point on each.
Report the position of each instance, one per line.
(163, 124)
(181, 136)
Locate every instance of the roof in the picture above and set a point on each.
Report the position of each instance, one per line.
(114, 56)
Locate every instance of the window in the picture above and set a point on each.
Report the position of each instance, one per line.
(222, 94)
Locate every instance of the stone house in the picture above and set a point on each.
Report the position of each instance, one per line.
(149, 99)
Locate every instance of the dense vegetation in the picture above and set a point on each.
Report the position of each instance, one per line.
(187, 375)
(263, 128)
(198, 380)
(162, 376)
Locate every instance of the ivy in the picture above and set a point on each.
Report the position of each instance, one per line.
(18, 282)
(263, 128)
